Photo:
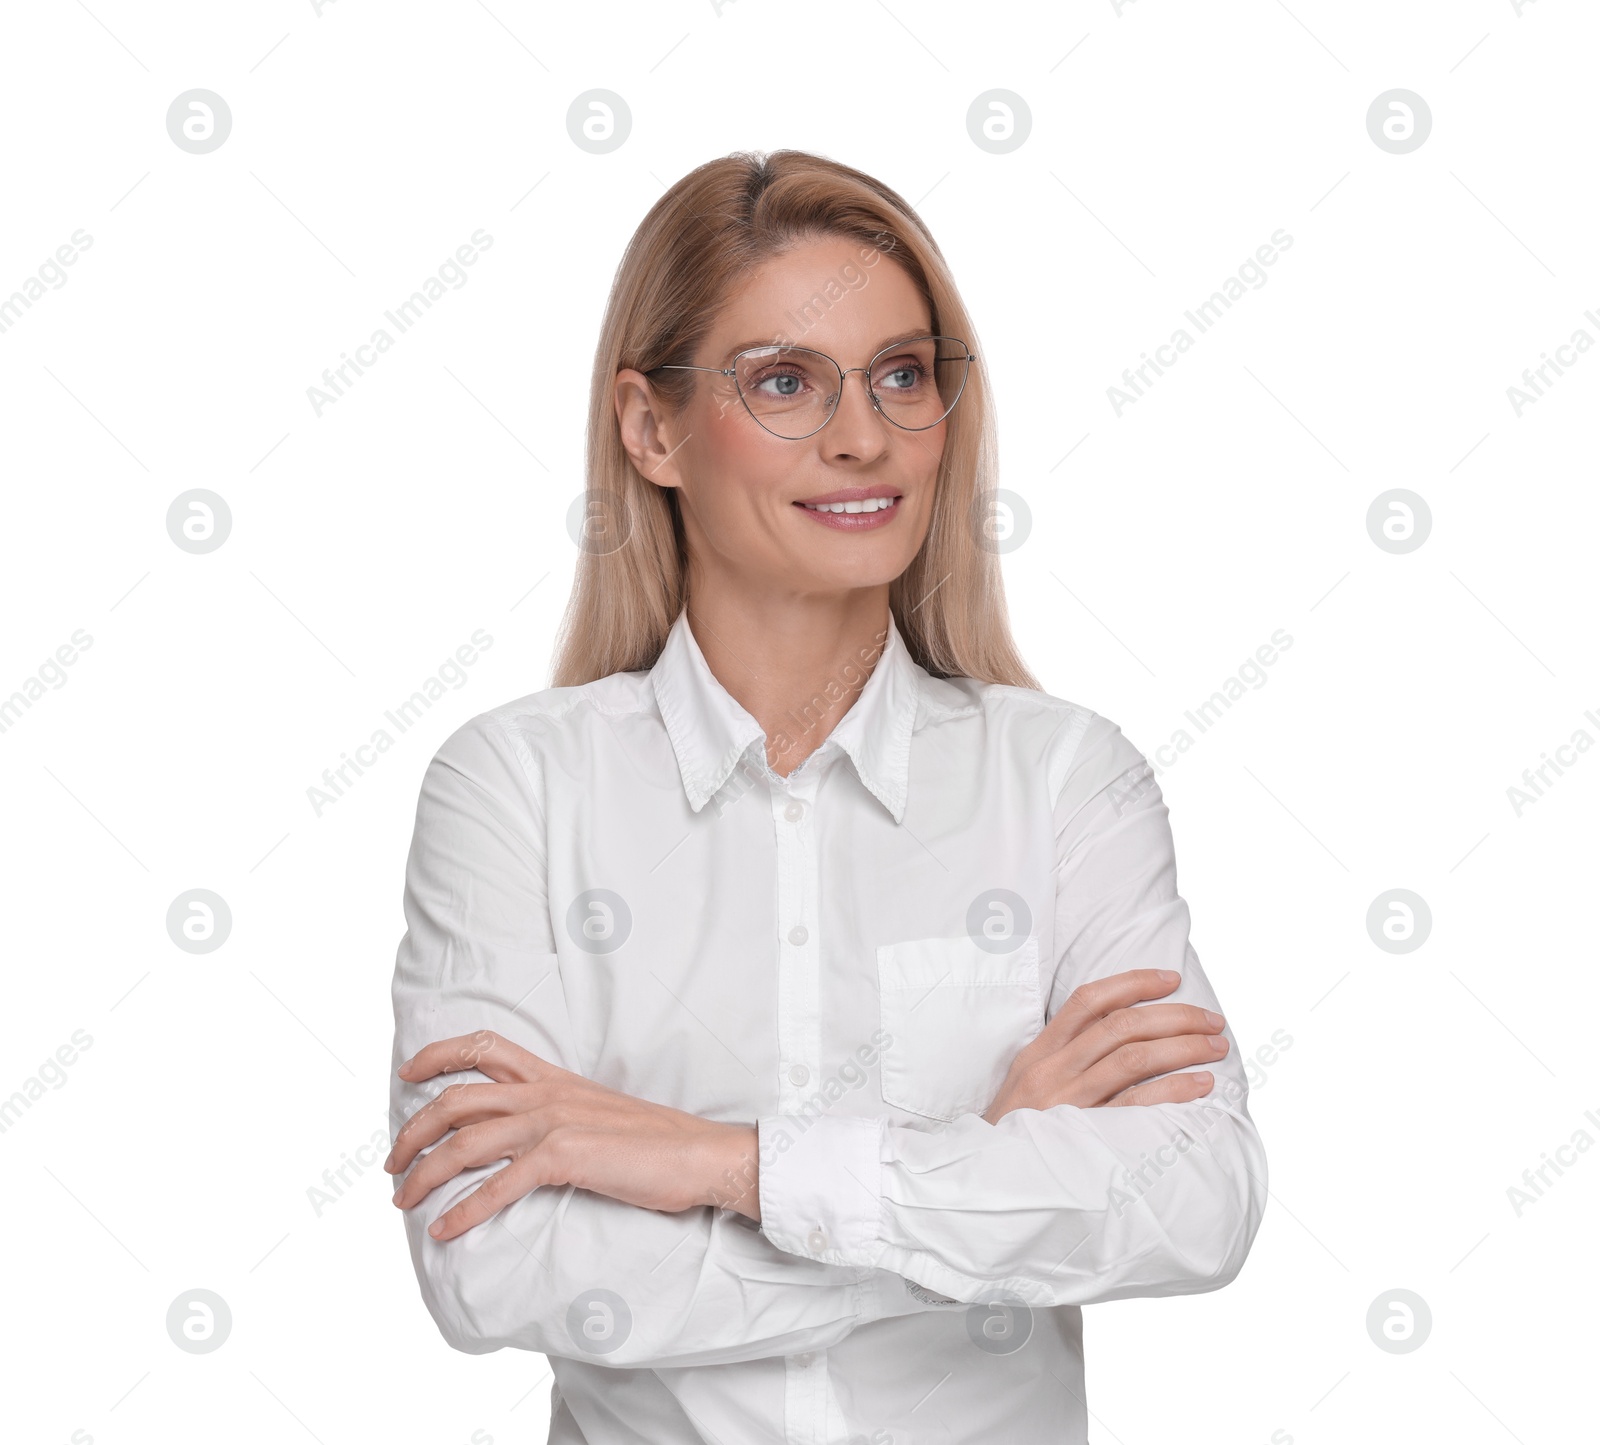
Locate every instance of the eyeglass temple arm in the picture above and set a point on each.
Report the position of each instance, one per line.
(733, 370)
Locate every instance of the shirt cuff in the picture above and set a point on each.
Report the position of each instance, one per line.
(819, 1185)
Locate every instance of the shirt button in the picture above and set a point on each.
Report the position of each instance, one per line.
(798, 1074)
(795, 812)
(798, 934)
(816, 1241)
(805, 1359)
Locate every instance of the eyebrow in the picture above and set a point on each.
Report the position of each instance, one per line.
(895, 340)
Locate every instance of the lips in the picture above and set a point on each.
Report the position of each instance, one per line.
(866, 507)
(849, 494)
(854, 513)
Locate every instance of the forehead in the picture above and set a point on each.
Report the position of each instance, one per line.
(833, 293)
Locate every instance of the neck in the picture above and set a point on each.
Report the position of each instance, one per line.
(795, 663)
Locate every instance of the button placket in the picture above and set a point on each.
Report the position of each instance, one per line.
(799, 955)
(799, 1037)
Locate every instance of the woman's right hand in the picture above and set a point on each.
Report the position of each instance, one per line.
(1101, 1049)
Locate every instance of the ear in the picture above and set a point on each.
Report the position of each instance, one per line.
(647, 429)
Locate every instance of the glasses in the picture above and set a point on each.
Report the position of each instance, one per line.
(793, 391)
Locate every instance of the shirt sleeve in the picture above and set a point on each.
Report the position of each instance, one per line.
(1063, 1205)
(562, 1270)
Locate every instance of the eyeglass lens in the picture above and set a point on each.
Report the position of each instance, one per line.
(792, 390)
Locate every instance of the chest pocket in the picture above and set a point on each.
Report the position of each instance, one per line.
(956, 1016)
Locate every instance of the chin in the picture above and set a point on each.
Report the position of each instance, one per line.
(877, 570)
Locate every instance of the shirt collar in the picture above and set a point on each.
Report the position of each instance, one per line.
(710, 731)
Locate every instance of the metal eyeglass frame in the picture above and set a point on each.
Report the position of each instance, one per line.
(969, 357)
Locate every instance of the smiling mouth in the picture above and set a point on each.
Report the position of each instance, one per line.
(868, 504)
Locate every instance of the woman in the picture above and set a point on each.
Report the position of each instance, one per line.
(798, 1015)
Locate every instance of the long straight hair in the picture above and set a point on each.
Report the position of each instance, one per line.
(696, 244)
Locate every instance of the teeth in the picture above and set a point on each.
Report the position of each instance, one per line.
(871, 504)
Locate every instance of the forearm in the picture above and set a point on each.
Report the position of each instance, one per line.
(1058, 1206)
(565, 1271)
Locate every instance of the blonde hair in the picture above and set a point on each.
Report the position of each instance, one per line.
(703, 237)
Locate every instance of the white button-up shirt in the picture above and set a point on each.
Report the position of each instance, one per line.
(850, 957)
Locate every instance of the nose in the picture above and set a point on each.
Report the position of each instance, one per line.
(854, 429)
(866, 387)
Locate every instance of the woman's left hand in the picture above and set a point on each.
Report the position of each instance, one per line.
(557, 1127)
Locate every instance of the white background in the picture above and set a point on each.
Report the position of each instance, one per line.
(367, 544)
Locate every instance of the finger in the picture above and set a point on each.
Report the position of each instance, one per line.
(1092, 1001)
(467, 1148)
(506, 1186)
(1132, 1025)
(457, 1106)
(484, 1050)
(1134, 1063)
(1174, 1089)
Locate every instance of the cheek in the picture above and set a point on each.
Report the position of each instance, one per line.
(924, 453)
(734, 453)
(742, 442)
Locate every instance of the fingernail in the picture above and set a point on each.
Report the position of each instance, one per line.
(1213, 1021)
(1205, 1078)
(1218, 1043)
(436, 1228)
(1169, 976)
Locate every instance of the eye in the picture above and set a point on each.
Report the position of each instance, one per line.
(900, 374)
(781, 384)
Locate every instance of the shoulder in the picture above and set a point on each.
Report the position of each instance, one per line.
(1017, 709)
(1080, 750)
(547, 721)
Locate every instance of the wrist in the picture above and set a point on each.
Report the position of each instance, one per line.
(733, 1170)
